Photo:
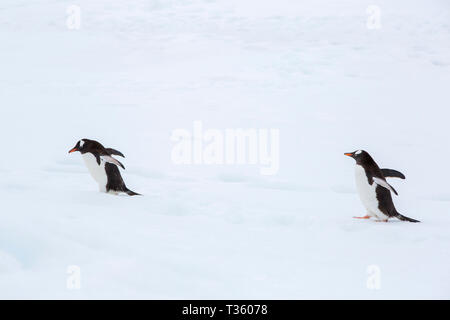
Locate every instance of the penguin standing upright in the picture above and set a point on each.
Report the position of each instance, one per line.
(373, 189)
(102, 166)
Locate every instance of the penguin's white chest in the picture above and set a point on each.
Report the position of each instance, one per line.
(367, 193)
(97, 171)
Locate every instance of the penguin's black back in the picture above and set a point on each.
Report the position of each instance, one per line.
(115, 181)
(385, 202)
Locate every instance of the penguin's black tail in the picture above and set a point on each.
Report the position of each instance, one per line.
(131, 193)
(403, 218)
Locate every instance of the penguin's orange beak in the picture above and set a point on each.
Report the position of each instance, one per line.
(73, 150)
(348, 154)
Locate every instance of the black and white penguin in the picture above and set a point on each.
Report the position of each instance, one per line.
(373, 189)
(102, 166)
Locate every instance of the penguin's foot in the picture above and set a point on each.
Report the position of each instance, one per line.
(365, 217)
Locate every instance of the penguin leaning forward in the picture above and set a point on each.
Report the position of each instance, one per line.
(373, 189)
(102, 166)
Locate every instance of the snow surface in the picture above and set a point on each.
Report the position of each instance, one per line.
(137, 70)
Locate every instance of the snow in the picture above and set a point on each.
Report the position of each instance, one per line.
(136, 71)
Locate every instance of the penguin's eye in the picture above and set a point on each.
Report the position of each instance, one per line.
(358, 152)
(81, 142)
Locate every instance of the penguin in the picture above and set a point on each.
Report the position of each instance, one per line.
(373, 189)
(102, 166)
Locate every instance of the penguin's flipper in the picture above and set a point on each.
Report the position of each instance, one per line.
(114, 152)
(391, 173)
(97, 157)
(112, 160)
(383, 183)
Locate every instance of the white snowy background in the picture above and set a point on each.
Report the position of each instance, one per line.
(137, 70)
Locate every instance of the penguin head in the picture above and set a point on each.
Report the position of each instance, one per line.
(360, 156)
(81, 146)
